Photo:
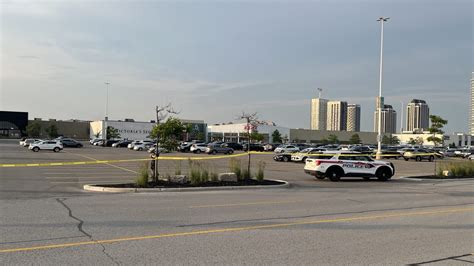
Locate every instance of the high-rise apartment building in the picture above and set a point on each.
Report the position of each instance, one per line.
(389, 119)
(353, 117)
(472, 105)
(418, 116)
(318, 113)
(336, 116)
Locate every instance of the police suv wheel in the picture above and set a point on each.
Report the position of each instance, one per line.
(384, 174)
(334, 175)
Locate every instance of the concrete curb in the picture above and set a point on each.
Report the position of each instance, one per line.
(99, 188)
(415, 179)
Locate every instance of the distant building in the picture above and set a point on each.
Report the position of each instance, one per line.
(133, 130)
(336, 116)
(318, 113)
(353, 117)
(471, 127)
(418, 116)
(389, 119)
(238, 132)
(13, 124)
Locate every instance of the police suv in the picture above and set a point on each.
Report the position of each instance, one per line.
(335, 166)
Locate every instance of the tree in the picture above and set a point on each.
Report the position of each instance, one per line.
(390, 140)
(355, 139)
(252, 123)
(169, 133)
(437, 124)
(33, 129)
(112, 133)
(256, 136)
(162, 112)
(276, 136)
(333, 139)
(52, 131)
(412, 141)
(419, 141)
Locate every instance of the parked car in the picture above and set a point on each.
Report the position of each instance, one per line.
(130, 145)
(253, 147)
(122, 144)
(71, 143)
(389, 153)
(466, 152)
(419, 155)
(185, 146)
(282, 157)
(198, 148)
(27, 142)
(302, 155)
(94, 140)
(286, 149)
(271, 146)
(142, 146)
(214, 149)
(471, 157)
(161, 149)
(361, 149)
(234, 145)
(52, 145)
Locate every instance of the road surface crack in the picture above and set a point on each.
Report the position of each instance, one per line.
(79, 227)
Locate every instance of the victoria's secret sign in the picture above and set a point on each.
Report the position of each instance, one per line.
(136, 131)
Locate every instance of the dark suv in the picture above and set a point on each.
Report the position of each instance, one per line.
(253, 147)
(234, 145)
(71, 143)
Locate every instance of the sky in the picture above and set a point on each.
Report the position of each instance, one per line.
(214, 59)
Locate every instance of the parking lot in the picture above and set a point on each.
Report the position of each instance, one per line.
(48, 219)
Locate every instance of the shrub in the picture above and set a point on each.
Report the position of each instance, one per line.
(194, 173)
(142, 177)
(235, 167)
(204, 175)
(245, 174)
(458, 169)
(177, 168)
(261, 171)
(213, 176)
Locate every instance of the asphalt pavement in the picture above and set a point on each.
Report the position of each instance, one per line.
(47, 219)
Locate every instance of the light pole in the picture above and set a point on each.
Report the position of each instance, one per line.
(401, 119)
(380, 104)
(106, 110)
(107, 100)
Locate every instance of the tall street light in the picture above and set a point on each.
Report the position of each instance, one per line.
(401, 119)
(106, 111)
(380, 101)
(107, 101)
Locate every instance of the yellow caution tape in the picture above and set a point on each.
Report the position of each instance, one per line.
(210, 157)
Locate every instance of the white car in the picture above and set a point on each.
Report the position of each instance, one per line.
(198, 148)
(142, 146)
(131, 145)
(27, 142)
(349, 164)
(287, 149)
(52, 145)
(471, 157)
(302, 155)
